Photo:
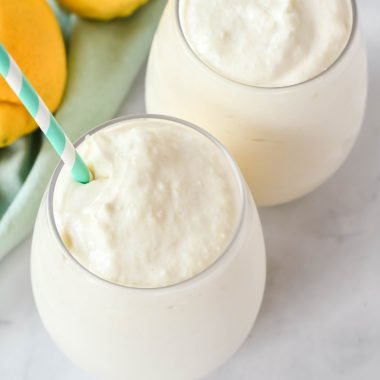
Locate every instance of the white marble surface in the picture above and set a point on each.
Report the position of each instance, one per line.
(321, 313)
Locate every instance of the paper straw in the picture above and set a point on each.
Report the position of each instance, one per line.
(43, 117)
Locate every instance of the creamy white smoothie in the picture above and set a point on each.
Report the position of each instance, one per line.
(282, 84)
(162, 205)
(156, 268)
(265, 43)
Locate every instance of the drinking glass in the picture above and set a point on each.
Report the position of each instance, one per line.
(181, 331)
(286, 140)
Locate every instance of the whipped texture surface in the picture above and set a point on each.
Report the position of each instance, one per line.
(161, 208)
(269, 43)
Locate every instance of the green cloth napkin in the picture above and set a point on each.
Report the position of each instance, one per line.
(104, 59)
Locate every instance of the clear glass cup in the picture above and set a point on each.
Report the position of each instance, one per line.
(287, 140)
(181, 331)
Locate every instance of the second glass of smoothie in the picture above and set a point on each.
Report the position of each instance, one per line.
(282, 84)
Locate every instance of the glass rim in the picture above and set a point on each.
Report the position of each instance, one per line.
(343, 53)
(225, 254)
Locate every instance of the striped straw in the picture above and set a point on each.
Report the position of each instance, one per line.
(41, 114)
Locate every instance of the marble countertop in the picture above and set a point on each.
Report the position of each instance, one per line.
(320, 318)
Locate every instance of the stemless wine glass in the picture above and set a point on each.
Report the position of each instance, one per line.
(181, 331)
(287, 140)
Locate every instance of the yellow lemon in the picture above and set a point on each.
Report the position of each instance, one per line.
(102, 9)
(30, 32)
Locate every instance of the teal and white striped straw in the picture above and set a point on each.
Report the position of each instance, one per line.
(44, 118)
